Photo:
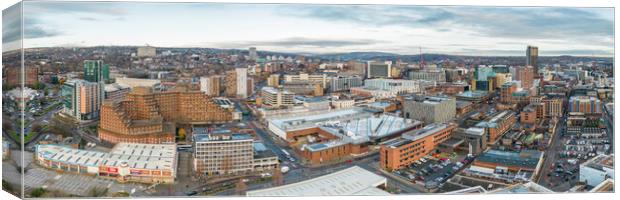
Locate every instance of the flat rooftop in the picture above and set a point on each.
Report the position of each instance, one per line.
(495, 118)
(414, 135)
(141, 156)
(601, 161)
(351, 181)
(273, 90)
(523, 188)
(221, 137)
(472, 94)
(426, 131)
(525, 158)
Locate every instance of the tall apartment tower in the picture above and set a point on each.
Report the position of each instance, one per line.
(274, 80)
(241, 80)
(94, 70)
(253, 55)
(532, 58)
(231, 83)
(526, 76)
(82, 99)
(210, 85)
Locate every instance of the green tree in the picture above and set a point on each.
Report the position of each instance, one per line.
(38, 192)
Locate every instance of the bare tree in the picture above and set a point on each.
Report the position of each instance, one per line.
(277, 177)
(240, 187)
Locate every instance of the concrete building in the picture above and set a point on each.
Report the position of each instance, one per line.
(531, 56)
(144, 163)
(353, 181)
(596, 170)
(379, 70)
(252, 54)
(554, 107)
(273, 80)
(151, 117)
(436, 75)
(231, 83)
(411, 146)
(506, 92)
(210, 85)
(277, 97)
(400, 85)
(138, 82)
(476, 139)
(389, 88)
(303, 88)
(497, 125)
(242, 84)
(147, 51)
(13, 76)
(82, 99)
(429, 109)
(507, 166)
(96, 71)
(344, 83)
(585, 104)
(314, 79)
(250, 86)
(473, 96)
(217, 154)
(526, 76)
(116, 92)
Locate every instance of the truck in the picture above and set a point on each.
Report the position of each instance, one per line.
(284, 169)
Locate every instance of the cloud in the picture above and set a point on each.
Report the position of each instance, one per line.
(101, 8)
(294, 42)
(501, 22)
(11, 24)
(89, 19)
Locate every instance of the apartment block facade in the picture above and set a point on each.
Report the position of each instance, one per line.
(151, 117)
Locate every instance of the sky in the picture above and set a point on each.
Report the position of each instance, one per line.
(296, 28)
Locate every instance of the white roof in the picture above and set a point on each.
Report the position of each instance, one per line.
(351, 181)
(137, 156)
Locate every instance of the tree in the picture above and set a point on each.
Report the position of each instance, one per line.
(98, 192)
(240, 187)
(7, 125)
(36, 127)
(277, 177)
(38, 192)
(182, 134)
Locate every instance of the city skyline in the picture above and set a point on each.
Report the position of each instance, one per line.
(319, 29)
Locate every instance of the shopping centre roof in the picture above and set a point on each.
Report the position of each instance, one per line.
(143, 156)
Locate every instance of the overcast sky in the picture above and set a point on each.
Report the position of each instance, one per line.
(458, 30)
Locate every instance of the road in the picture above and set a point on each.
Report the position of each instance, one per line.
(551, 154)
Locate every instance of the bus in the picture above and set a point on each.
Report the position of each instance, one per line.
(286, 152)
(184, 147)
